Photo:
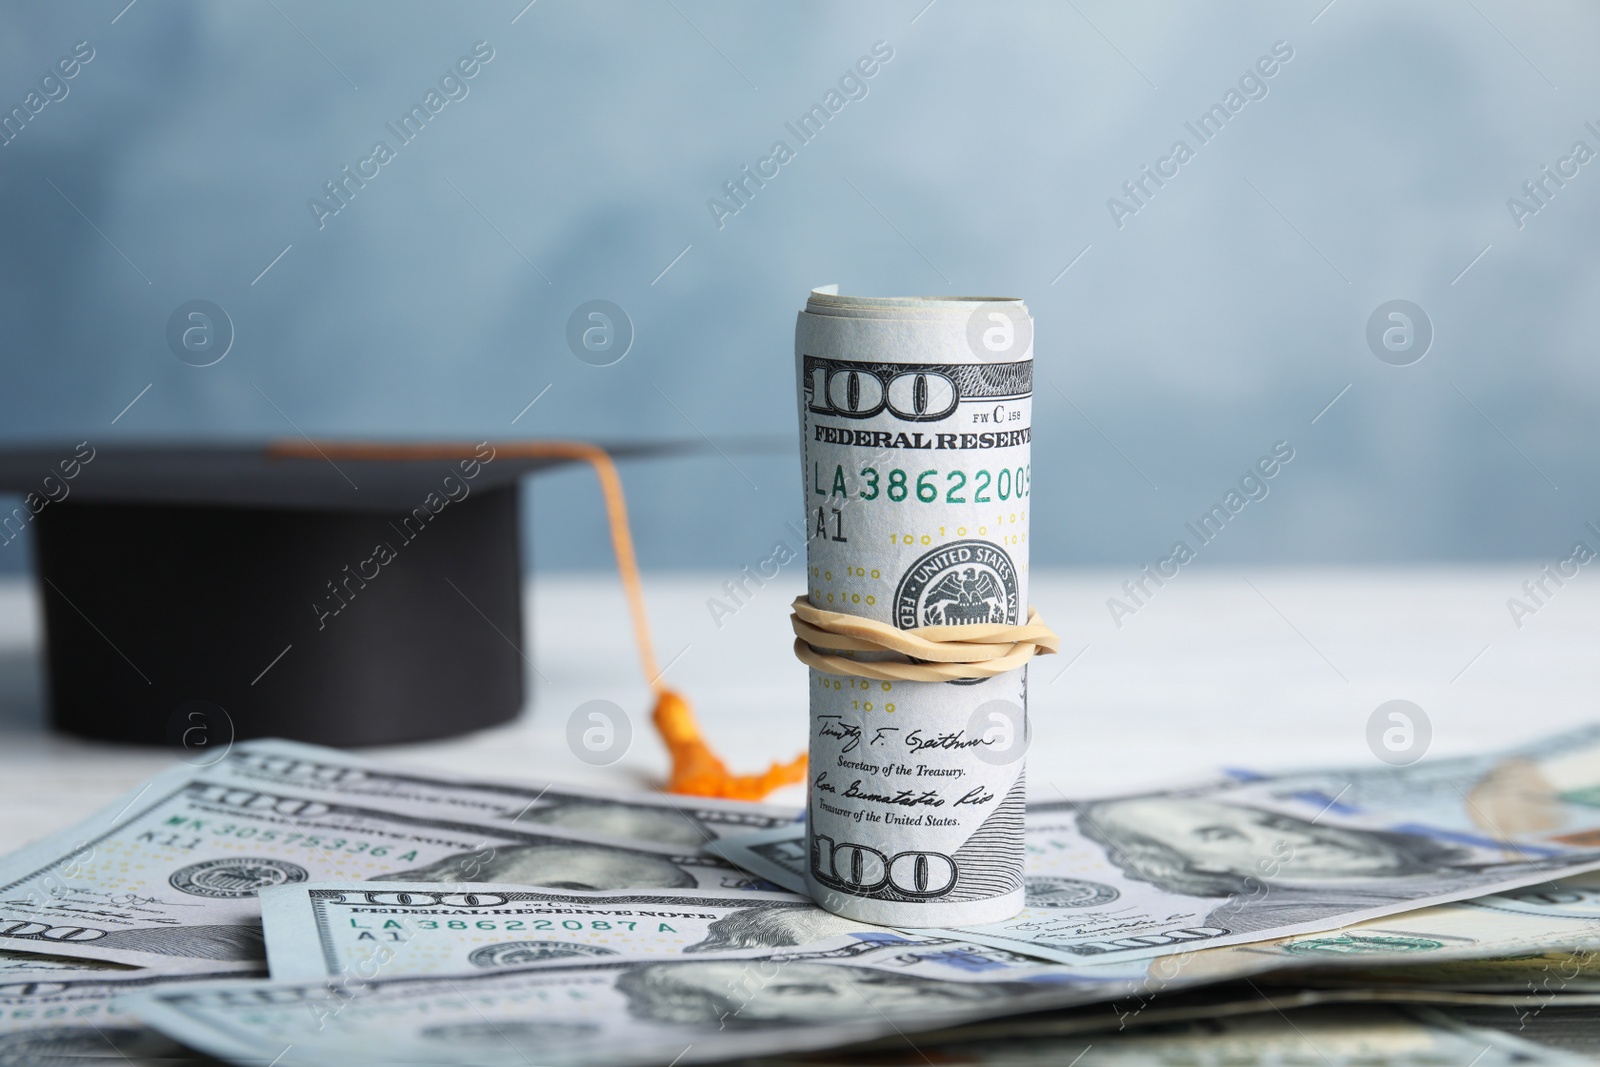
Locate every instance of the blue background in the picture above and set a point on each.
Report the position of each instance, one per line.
(1221, 318)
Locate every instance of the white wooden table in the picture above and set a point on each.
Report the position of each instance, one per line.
(1265, 668)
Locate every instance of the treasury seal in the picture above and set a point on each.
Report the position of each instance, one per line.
(958, 584)
(1353, 945)
(515, 953)
(234, 876)
(1068, 893)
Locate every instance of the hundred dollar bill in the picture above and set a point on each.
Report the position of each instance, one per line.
(616, 815)
(1326, 1037)
(78, 1015)
(617, 1011)
(1266, 858)
(372, 928)
(322, 929)
(1546, 936)
(1558, 953)
(1209, 1006)
(916, 423)
(1528, 802)
(1573, 1027)
(169, 876)
(1489, 944)
(1486, 941)
(23, 965)
(1554, 973)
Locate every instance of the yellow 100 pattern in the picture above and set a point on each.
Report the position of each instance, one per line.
(866, 687)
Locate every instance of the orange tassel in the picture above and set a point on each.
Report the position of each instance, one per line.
(696, 770)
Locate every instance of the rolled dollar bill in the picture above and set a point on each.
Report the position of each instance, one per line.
(916, 419)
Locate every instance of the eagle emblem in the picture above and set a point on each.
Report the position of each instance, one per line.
(959, 584)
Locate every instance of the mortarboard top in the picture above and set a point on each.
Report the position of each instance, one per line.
(289, 474)
(339, 593)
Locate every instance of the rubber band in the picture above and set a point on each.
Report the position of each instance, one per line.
(696, 769)
(926, 654)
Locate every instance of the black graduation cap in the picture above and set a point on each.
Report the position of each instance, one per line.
(338, 594)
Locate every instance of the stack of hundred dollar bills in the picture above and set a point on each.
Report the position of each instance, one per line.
(297, 905)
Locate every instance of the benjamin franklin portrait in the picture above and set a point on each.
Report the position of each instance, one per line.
(1277, 868)
(665, 826)
(759, 992)
(555, 866)
(771, 927)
